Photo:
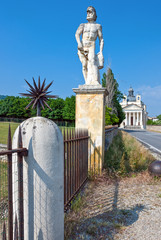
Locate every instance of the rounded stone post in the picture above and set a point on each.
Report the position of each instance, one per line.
(43, 177)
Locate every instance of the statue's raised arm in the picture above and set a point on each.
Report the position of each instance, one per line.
(91, 62)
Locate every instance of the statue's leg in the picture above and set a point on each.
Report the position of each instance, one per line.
(84, 69)
(84, 65)
(93, 72)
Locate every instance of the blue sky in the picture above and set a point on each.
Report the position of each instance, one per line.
(38, 38)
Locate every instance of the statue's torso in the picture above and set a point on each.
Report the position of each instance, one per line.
(90, 33)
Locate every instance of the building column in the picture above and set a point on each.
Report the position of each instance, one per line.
(129, 118)
(141, 119)
(134, 120)
(125, 118)
(137, 118)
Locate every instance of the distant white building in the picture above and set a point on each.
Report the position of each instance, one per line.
(135, 111)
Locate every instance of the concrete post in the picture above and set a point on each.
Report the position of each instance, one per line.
(90, 114)
(43, 173)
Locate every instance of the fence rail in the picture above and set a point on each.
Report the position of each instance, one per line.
(75, 162)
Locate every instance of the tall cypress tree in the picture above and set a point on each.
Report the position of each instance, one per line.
(114, 94)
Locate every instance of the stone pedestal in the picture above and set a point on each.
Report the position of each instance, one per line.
(90, 114)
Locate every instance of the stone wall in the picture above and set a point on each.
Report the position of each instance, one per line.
(110, 133)
(153, 128)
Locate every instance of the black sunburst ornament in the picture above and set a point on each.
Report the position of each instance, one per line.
(39, 95)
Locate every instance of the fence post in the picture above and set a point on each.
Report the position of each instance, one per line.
(43, 174)
(10, 201)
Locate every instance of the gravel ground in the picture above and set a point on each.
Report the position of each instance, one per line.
(124, 209)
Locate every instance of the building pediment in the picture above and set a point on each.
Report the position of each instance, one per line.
(132, 107)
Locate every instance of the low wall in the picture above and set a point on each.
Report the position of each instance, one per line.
(110, 133)
(154, 128)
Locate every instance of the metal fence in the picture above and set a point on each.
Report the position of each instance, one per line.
(75, 162)
(6, 192)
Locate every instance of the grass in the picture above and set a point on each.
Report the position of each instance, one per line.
(4, 130)
(126, 155)
(3, 180)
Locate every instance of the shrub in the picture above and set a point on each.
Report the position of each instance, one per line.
(126, 155)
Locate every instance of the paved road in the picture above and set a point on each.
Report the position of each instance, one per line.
(151, 139)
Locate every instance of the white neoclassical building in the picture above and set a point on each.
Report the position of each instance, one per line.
(135, 111)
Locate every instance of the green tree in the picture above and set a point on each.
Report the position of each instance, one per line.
(114, 94)
(57, 106)
(110, 118)
(69, 108)
(159, 117)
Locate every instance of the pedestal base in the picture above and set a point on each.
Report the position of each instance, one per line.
(90, 114)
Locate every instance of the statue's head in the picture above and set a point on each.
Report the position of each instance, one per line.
(91, 14)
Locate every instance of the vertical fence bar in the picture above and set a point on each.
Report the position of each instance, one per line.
(75, 150)
(70, 160)
(65, 168)
(20, 188)
(87, 154)
(79, 159)
(4, 232)
(16, 229)
(73, 164)
(68, 167)
(10, 200)
(74, 161)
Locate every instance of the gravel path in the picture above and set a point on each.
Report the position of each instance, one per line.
(127, 209)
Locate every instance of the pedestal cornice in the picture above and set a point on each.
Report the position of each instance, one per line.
(90, 90)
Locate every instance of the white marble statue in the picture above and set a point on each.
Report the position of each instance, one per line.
(91, 62)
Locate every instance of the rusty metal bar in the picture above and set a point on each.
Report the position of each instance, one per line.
(70, 160)
(73, 164)
(10, 200)
(79, 138)
(68, 167)
(65, 168)
(4, 232)
(23, 151)
(16, 229)
(76, 162)
(20, 188)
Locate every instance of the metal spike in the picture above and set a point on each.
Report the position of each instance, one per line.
(30, 85)
(48, 86)
(37, 90)
(43, 84)
(39, 83)
(47, 105)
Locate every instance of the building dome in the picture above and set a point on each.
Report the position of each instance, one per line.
(131, 97)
